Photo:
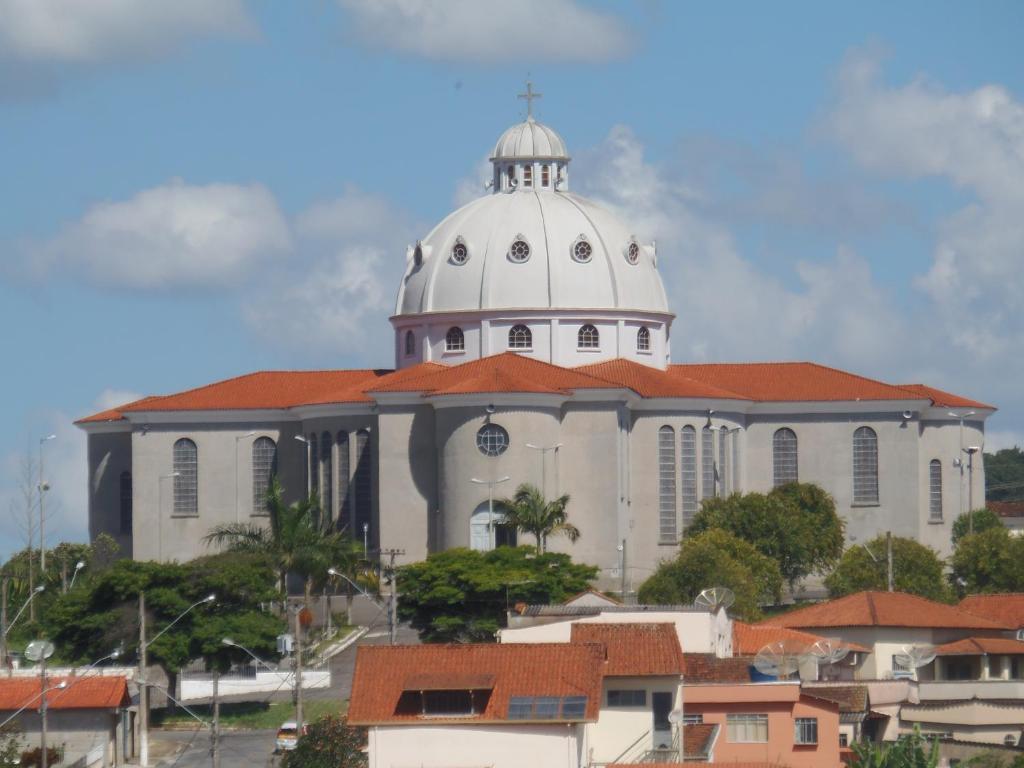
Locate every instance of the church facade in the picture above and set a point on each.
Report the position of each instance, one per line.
(532, 345)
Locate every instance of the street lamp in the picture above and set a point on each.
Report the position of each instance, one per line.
(970, 451)
(4, 631)
(544, 464)
(78, 566)
(43, 488)
(232, 644)
(238, 439)
(58, 687)
(490, 503)
(958, 462)
(160, 514)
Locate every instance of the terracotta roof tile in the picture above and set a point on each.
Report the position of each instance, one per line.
(94, 692)
(708, 668)
(717, 764)
(981, 646)
(1006, 508)
(1005, 609)
(748, 639)
(942, 399)
(634, 650)
(650, 382)
(882, 609)
(527, 669)
(850, 698)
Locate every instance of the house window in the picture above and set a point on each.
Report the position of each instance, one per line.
(454, 340)
(344, 484)
(844, 740)
(126, 502)
(643, 339)
(410, 343)
(492, 440)
(667, 485)
(784, 457)
(363, 481)
(447, 703)
(588, 338)
(627, 698)
(527, 175)
(264, 467)
(865, 466)
(520, 337)
(746, 729)
(806, 730)
(327, 489)
(693, 719)
(547, 707)
(707, 463)
(186, 478)
(935, 490)
(688, 472)
(545, 175)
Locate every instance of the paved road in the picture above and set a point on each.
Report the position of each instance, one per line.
(247, 749)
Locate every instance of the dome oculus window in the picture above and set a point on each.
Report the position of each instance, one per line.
(519, 251)
(588, 338)
(492, 440)
(582, 251)
(460, 252)
(520, 337)
(454, 340)
(633, 252)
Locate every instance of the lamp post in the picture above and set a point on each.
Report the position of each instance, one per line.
(970, 451)
(238, 439)
(160, 514)
(5, 630)
(366, 540)
(232, 644)
(490, 503)
(43, 488)
(143, 685)
(78, 566)
(959, 462)
(544, 449)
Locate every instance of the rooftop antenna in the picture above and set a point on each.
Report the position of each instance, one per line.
(915, 656)
(779, 659)
(715, 598)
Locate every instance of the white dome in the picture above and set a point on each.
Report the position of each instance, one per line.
(530, 139)
(551, 224)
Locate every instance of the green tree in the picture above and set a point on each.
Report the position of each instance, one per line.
(10, 744)
(330, 743)
(917, 569)
(1004, 475)
(912, 751)
(299, 539)
(992, 759)
(716, 558)
(795, 524)
(979, 520)
(461, 595)
(990, 561)
(528, 511)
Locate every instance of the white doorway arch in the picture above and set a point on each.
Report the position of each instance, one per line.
(488, 529)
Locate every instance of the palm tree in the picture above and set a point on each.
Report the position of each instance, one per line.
(528, 511)
(299, 539)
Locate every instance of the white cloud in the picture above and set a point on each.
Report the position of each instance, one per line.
(172, 236)
(490, 30)
(100, 30)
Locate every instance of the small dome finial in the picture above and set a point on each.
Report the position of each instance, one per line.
(529, 96)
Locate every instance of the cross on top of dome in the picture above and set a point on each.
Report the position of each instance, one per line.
(529, 96)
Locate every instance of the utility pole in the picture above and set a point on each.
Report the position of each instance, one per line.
(215, 730)
(143, 688)
(4, 587)
(44, 762)
(298, 673)
(888, 554)
(393, 596)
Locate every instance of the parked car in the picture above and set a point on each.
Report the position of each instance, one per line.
(288, 736)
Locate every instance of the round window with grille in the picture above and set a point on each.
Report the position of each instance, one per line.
(492, 440)
(460, 253)
(519, 251)
(633, 253)
(582, 250)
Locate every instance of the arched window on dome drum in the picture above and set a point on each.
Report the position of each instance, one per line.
(688, 472)
(520, 337)
(326, 472)
(344, 484)
(363, 482)
(707, 463)
(545, 175)
(865, 466)
(410, 343)
(784, 457)
(643, 339)
(264, 467)
(126, 502)
(935, 490)
(588, 338)
(314, 465)
(454, 340)
(511, 175)
(186, 478)
(723, 468)
(667, 519)
(528, 175)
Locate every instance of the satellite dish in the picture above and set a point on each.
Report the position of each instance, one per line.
(915, 656)
(715, 598)
(829, 650)
(779, 659)
(38, 650)
(675, 716)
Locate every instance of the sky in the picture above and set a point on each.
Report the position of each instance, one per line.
(198, 189)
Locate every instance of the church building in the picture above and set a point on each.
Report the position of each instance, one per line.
(532, 344)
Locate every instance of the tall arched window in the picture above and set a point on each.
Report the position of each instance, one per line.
(707, 463)
(126, 502)
(186, 478)
(643, 339)
(545, 175)
(327, 475)
(527, 175)
(723, 468)
(344, 485)
(688, 472)
(784, 457)
(667, 518)
(588, 337)
(314, 464)
(363, 482)
(410, 343)
(935, 490)
(520, 337)
(264, 467)
(865, 466)
(454, 340)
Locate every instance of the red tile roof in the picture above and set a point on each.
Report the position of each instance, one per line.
(382, 673)
(697, 739)
(650, 382)
(882, 609)
(981, 646)
(94, 692)
(942, 399)
(1005, 609)
(748, 639)
(634, 650)
(688, 764)
(850, 698)
(1006, 508)
(708, 668)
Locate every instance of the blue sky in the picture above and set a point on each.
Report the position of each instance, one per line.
(197, 189)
